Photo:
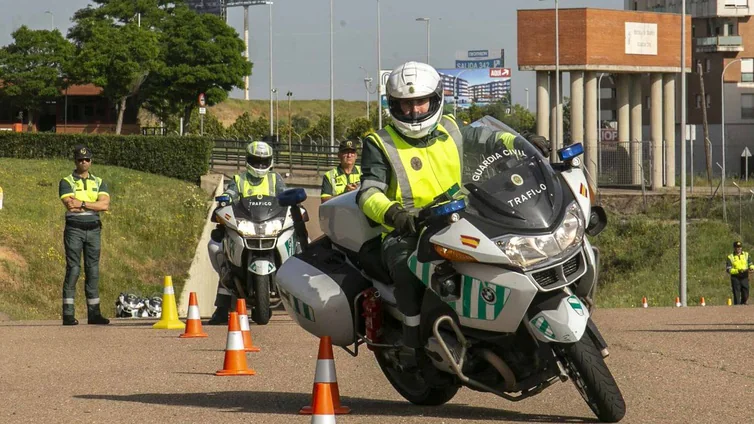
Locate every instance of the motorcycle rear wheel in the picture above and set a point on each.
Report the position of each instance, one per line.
(260, 308)
(413, 387)
(593, 379)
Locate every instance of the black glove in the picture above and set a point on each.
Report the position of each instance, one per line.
(540, 143)
(401, 220)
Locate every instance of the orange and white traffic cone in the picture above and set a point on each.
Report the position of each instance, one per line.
(703, 303)
(235, 355)
(325, 376)
(677, 302)
(193, 320)
(324, 410)
(245, 330)
(644, 303)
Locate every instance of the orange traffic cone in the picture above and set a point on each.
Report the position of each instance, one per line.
(193, 321)
(325, 376)
(235, 356)
(324, 410)
(677, 302)
(703, 303)
(245, 331)
(644, 302)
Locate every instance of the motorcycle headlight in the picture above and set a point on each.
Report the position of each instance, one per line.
(526, 251)
(246, 228)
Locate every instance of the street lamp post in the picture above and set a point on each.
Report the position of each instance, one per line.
(290, 130)
(527, 98)
(367, 86)
(246, 5)
(427, 21)
(272, 117)
(455, 91)
(332, 67)
(379, 71)
(682, 247)
(722, 136)
(52, 20)
(277, 115)
(599, 123)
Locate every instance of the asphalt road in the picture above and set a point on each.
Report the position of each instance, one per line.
(673, 365)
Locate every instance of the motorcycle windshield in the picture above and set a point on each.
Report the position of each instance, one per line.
(259, 208)
(513, 188)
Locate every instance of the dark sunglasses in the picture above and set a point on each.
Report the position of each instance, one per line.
(83, 160)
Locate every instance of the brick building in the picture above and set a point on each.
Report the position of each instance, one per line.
(631, 46)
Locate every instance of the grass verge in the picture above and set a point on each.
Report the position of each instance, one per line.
(151, 231)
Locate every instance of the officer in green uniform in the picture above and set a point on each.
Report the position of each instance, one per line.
(84, 196)
(409, 163)
(738, 266)
(346, 176)
(259, 179)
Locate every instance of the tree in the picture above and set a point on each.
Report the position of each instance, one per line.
(212, 126)
(358, 128)
(300, 123)
(116, 57)
(200, 53)
(244, 128)
(31, 68)
(321, 129)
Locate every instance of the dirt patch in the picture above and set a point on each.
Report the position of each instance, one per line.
(9, 258)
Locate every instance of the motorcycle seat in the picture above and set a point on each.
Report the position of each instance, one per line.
(370, 259)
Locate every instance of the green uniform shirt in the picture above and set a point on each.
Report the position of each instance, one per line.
(85, 189)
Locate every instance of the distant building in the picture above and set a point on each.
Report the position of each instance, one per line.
(88, 111)
(461, 85)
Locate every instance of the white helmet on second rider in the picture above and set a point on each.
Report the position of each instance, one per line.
(415, 81)
(258, 158)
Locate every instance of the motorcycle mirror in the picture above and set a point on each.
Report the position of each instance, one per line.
(597, 221)
(291, 197)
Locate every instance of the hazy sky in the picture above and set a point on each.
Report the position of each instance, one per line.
(301, 41)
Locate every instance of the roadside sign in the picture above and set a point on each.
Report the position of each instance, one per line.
(609, 134)
(202, 100)
(202, 111)
(746, 153)
(500, 72)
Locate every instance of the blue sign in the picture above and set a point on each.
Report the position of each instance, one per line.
(479, 53)
(384, 101)
(479, 64)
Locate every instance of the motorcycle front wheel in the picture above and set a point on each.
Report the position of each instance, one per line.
(413, 387)
(593, 379)
(260, 306)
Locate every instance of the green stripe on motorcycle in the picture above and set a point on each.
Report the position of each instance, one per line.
(296, 306)
(425, 273)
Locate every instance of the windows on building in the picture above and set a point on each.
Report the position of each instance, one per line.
(698, 101)
(747, 70)
(747, 106)
(709, 101)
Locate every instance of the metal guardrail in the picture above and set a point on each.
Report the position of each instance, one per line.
(316, 155)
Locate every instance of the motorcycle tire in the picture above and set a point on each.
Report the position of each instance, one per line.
(412, 389)
(593, 380)
(260, 308)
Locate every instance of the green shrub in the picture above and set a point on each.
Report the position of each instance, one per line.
(186, 158)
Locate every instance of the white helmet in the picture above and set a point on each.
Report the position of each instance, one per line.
(258, 158)
(414, 80)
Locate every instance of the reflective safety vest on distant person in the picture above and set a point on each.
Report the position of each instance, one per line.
(339, 181)
(739, 263)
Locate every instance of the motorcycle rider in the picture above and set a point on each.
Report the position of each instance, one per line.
(257, 180)
(410, 162)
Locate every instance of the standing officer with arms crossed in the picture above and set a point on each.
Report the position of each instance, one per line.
(346, 176)
(409, 163)
(738, 266)
(85, 196)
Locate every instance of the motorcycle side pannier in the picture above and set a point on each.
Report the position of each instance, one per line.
(318, 288)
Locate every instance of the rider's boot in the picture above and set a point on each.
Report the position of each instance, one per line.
(220, 317)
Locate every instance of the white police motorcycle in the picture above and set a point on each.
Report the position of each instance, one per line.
(259, 237)
(509, 276)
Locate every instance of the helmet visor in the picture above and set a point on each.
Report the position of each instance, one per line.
(414, 111)
(258, 162)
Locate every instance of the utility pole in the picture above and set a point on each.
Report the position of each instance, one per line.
(290, 134)
(707, 149)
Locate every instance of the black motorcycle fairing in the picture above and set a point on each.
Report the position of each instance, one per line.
(259, 208)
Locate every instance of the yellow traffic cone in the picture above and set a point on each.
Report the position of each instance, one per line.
(169, 318)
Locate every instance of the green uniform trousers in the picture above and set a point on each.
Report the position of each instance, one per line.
(77, 240)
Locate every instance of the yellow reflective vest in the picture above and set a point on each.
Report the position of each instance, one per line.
(246, 189)
(339, 180)
(739, 264)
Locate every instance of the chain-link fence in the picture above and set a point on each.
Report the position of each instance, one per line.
(624, 164)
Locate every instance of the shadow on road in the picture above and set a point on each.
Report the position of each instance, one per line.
(728, 324)
(699, 330)
(290, 403)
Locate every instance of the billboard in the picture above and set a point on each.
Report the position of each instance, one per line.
(479, 86)
(480, 59)
(214, 7)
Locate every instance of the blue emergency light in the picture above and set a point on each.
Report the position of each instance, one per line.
(449, 208)
(567, 153)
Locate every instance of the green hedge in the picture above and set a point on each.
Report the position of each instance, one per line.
(185, 158)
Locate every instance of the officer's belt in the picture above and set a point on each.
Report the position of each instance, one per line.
(87, 226)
